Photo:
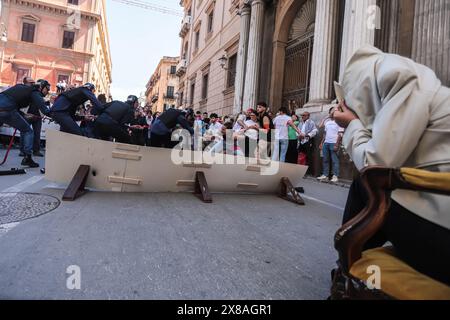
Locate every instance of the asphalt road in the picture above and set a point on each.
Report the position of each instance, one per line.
(169, 246)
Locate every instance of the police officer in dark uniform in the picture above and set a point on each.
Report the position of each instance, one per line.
(35, 119)
(114, 120)
(18, 97)
(65, 107)
(161, 131)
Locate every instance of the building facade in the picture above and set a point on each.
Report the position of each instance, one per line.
(207, 69)
(55, 40)
(162, 88)
(289, 52)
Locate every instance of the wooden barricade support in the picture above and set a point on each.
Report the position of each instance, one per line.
(201, 187)
(76, 187)
(287, 188)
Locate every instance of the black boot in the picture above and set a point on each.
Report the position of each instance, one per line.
(28, 162)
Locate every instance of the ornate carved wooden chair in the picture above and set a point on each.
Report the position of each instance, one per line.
(398, 280)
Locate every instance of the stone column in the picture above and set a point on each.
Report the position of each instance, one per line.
(242, 59)
(431, 36)
(357, 31)
(254, 54)
(324, 52)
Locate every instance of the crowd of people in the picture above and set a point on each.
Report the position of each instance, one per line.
(255, 133)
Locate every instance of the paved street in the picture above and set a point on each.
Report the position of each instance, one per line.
(170, 246)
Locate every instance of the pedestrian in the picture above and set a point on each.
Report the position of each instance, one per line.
(329, 146)
(400, 118)
(251, 132)
(66, 105)
(114, 121)
(281, 143)
(266, 128)
(292, 152)
(307, 138)
(161, 130)
(18, 97)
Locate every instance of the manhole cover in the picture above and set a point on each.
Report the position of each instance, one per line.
(16, 207)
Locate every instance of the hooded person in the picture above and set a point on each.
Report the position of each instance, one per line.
(397, 114)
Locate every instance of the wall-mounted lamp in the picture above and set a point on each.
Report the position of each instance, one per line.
(223, 61)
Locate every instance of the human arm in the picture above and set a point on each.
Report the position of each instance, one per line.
(185, 124)
(38, 102)
(98, 107)
(293, 126)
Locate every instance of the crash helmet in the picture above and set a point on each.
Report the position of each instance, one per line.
(89, 86)
(41, 84)
(132, 99)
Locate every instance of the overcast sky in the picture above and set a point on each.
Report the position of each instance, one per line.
(139, 38)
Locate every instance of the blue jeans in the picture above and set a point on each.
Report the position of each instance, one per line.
(37, 127)
(328, 149)
(15, 120)
(280, 150)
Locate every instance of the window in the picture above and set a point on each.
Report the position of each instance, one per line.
(68, 39)
(191, 100)
(173, 69)
(63, 77)
(205, 83)
(170, 92)
(185, 51)
(28, 32)
(232, 62)
(181, 96)
(75, 2)
(197, 39)
(210, 21)
(22, 73)
(166, 106)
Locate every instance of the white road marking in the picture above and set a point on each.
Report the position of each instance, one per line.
(12, 191)
(323, 202)
(25, 184)
(4, 228)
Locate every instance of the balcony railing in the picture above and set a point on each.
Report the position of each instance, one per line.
(155, 98)
(185, 25)
(169, 96)
(181, 67)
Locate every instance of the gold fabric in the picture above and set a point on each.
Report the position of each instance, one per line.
(427, 179)
(399, 280)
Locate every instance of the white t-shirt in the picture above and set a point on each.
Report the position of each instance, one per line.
(332, 131)
(281, 127)
(252, 133)
(237, 127)
(215, 127)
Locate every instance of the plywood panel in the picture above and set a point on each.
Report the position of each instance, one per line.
(153, 170)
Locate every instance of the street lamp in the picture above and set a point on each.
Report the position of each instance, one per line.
(223, 61)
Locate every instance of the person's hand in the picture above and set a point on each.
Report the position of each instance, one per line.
(336, 148)
(343, 115)
(321, 146)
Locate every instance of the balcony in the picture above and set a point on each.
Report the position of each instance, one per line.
(155, 98)
(169, 97)
(185, 26)
(181, 67)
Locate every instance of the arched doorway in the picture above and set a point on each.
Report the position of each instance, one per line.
(297, 64)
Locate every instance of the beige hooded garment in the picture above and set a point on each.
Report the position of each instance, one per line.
(404, 121)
